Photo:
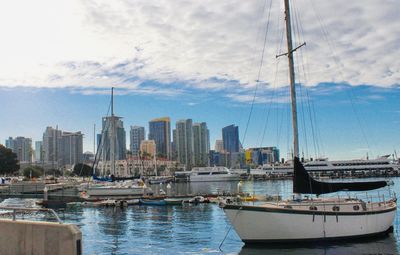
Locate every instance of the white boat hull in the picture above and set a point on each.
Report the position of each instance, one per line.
(115, 191)
(258, 225)
(214, 178)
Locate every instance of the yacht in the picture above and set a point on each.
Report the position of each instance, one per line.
(381, 166)
(211, 174)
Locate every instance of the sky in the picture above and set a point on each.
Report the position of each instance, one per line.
(212, 61)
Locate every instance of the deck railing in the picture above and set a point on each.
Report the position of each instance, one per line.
(22, 210)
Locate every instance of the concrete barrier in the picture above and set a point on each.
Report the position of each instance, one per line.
(39, 238)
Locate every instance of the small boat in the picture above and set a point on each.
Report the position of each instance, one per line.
(198, 199)
(133, 202)
(173, 201)
(160, 179)
(153, 202)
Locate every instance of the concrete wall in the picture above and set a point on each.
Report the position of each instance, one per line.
(39, 238)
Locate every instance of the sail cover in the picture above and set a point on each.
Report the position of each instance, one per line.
(303, 183)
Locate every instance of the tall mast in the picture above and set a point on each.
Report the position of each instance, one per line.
(112, 134)
(292, 79)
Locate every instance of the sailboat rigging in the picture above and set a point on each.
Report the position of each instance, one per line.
(108, 185)
(309, 219)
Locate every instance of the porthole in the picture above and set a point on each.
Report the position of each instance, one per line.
(336, 208)
(356, 208)
(313, 208)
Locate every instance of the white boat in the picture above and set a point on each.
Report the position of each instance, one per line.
(126, 188)
(212, 174)
(349, 168)
(309, 219)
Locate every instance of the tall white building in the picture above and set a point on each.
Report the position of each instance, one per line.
(62, 148)
(38, 151)
(104, 141)
(22, 147)
(71, 148)
(201, 144)
(184, 142)
(137, 135)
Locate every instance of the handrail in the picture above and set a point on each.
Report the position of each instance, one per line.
(15, 209)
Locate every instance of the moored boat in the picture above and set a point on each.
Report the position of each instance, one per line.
(210, 174)
(309, 219)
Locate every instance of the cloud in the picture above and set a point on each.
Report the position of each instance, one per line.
(206, 46)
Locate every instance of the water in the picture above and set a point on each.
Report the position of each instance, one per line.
(194, 229)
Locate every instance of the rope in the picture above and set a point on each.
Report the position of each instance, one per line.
(233, 222)
(259, 74)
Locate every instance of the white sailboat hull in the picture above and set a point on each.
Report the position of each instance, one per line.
(259, 225)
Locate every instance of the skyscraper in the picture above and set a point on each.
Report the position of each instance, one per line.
(38, 151)
(71, 148)
(61, 148)
(160, 132)
(22, 147)
(184, 142)
(51, 145)
(201, 144)
(104, 139)
(137, 135)
(230, 138)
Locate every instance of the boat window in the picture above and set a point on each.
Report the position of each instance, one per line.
(356, 208)
(313, 208)
(204, 173)
(336, 208)
(288, 206)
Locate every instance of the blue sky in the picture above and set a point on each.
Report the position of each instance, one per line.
(205, 60)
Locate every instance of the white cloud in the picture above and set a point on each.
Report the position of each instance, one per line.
(206, 45)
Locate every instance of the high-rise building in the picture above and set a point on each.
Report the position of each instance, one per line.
(71, 148)
(148, 148)
(51, 145)
(160, 132)
(61, 148)
(38, 151)
(219, 146)
(230, 138)
(201, 144)
(104, 142)
(184, 142)
(137, 135)
(22, 147)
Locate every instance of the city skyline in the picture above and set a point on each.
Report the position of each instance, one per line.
(200, 61)
(377, 109)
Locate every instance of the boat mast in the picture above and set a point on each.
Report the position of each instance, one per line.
(292, 79)
(112, 134)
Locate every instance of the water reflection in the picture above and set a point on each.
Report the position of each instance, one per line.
(191, 229)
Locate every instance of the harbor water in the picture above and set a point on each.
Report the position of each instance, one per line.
(195, 229)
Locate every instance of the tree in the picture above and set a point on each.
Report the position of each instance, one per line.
(33, 171)
(83, 170)
(8, 161)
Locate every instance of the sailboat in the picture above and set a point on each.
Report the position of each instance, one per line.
(309, 219)
(108, 186)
